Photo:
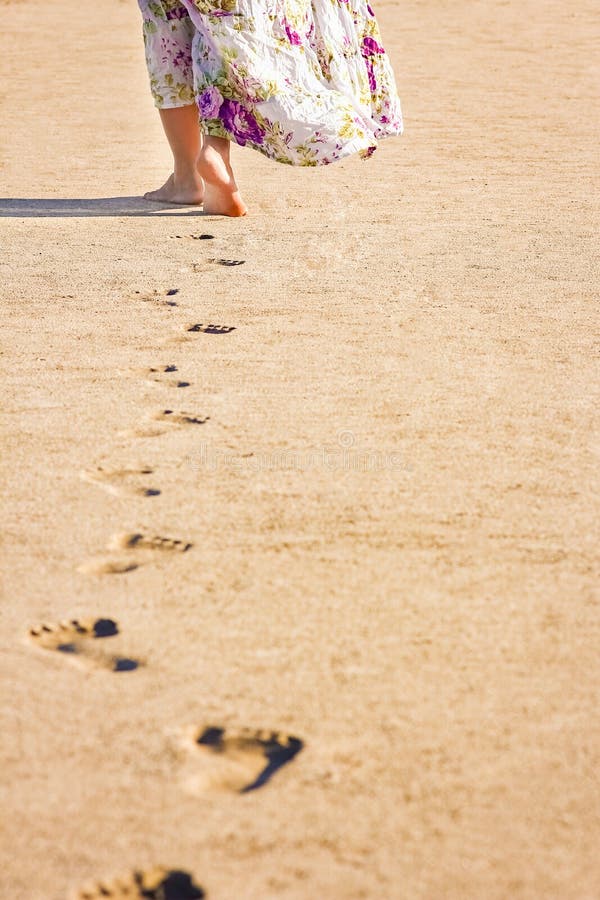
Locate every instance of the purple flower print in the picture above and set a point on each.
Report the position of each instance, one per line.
(292, 36)
(371, 74)
(179, 12)
(209, 103)
(241, 123)
(174, 55)
(370, 47)
(182, 60)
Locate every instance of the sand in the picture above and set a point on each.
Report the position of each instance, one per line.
(384, 462)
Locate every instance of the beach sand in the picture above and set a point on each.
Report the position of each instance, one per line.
(381, 451)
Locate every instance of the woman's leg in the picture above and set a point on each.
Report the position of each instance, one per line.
(168, 36)
(183, 134)
(221, 193)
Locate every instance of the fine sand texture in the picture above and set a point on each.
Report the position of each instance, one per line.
(300, 554)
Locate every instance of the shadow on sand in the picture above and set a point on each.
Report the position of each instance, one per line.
(97, 206)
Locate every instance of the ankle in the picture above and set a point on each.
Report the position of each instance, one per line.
(216, 148)
(186, 172)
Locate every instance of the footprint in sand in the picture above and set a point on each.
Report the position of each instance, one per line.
(228, 262)
(161, 375)
(197, 237)
(195, 327)
(200, 268)
(136, 541)
(168, 417)
(179, 418)
(155, 884)
(120, 481)
(237, 760)
(138, 546)
(211, 329)
(163, 298)
(78, 638)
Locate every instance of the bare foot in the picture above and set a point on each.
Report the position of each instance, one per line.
(185, 192)
(221, 197)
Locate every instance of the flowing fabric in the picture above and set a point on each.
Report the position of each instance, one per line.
(306, 82)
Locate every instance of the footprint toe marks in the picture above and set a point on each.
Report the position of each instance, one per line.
(136, 545)
(156, 884)
(197, 237)
(137, 541)
(181, 418)
(55, 636)
(228, 262)
(166, 417)
(77, 637)
(248, 757)
(101, 627)
(212, 329)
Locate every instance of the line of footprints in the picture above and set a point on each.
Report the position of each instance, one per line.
(211, 756)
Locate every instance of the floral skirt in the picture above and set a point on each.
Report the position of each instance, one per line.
(306, 82)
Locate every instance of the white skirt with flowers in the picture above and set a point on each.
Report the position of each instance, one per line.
(306, 82)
